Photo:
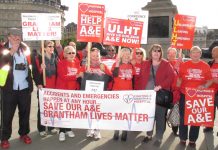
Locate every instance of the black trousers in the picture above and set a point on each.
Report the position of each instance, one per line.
(10, 101)
(39, 126)
(183, 129)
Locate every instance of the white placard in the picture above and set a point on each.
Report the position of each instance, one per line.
(94, 86)
(41, 26)
(110, 110)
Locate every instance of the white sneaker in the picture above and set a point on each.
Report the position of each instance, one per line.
(54, 131)
(97, 134)
(61, 136)
(70, 134)
(90, 133)
(43, 134)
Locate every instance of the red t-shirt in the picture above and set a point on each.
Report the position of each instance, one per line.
(194, 74)
(66, 75)
(214, 71)
(137, 73)
(124, 79)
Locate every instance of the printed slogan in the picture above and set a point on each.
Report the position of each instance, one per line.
(199, 107)
(112, 110)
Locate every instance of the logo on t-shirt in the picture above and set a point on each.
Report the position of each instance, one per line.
(125, 74)
(195, 74)
(71, 71)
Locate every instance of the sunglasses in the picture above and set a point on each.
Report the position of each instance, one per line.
(71, 53)
(51, 46)
(156, 50)
(139, 53)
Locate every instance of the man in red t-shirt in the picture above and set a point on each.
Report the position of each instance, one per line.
(194, 73)
(214, 70)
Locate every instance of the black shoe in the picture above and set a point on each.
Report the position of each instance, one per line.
(192, 144)
(157, 143)
(124, 136)
(116, 135)
(208, 129)
(147, 139)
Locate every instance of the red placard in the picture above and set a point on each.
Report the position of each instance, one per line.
(90, 22)
(199, 107)
(183, 31)
(122, 32)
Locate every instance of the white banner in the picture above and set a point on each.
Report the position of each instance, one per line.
(41, 26)
(110, 110)
(141, 16)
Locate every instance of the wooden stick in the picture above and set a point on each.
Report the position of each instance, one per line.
(88, 54)
(43, 62)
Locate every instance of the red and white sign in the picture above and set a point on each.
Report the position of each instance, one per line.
(183, 31)
(98, 110)
(199, 107)
(90, 22)
(122, 32)
(41, 26)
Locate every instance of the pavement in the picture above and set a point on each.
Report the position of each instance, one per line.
(206, 141)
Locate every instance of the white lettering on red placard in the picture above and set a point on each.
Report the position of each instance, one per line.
(199, 107)
(90, 22)
(123, 32)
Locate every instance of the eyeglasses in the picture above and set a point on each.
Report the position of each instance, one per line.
(156, 50)
(111, 50)
(71, 53)
(51, 46)
(139, 53)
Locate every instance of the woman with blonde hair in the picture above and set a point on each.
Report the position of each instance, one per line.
(123, 74)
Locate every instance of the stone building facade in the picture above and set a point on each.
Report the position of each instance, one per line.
(10, 13)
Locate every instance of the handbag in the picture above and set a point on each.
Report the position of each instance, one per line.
(173, 116)
(163, 97)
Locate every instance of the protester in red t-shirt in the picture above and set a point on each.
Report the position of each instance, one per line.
(137, 60)
(195, 74)
(214, 70)
(171, 57)
(123, 73)
(67, 74)
(162, 79)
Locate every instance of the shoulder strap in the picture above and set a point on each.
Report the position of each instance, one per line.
(152, 70)
(210, 63)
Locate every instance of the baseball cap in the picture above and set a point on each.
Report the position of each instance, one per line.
(14, 31)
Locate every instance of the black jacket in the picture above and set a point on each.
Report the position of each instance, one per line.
(8, 59)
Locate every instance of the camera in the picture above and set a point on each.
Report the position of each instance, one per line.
(20, 66)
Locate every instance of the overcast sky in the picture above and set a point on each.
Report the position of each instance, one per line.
(206, 11)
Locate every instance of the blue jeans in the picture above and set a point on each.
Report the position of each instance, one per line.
(183, 129)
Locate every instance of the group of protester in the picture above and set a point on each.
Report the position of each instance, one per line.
(66, 68)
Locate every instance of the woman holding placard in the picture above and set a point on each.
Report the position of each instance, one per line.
(99, 73)
(50, 67)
